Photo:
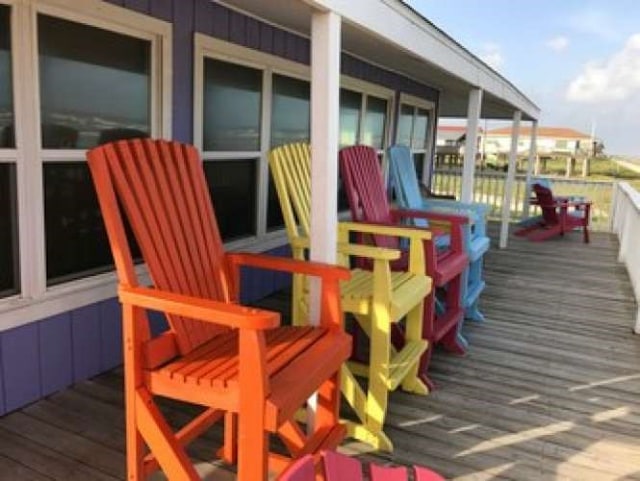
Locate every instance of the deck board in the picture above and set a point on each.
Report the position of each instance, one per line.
(549, 390)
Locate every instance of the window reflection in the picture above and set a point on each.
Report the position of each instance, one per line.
(233, 188)
(76, 240)
(405, 125)
(8, 231)
(420, 126)
(375, 122)
(93, 84)
(6, 94)
(232, 97)
(350, 104)
(291, 108)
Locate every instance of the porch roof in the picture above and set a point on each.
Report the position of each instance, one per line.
(393, 35)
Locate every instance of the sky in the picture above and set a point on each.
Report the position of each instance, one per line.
(578, 60)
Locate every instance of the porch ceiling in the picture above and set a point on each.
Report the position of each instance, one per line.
(452, 70)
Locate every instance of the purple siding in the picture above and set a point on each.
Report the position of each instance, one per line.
(86, 342)
(183, 19)
(20, 366)
(56, 358)
(141, 6)
(110, 334)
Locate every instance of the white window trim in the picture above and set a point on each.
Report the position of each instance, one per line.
(36, 300)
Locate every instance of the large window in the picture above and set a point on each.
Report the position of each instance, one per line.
(415, 130)
(231, 143)
(247, 103)
(79, 74)
(9, 268)
(91, 92)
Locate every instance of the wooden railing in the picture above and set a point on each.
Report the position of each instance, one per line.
(625, 222)
(489, 190)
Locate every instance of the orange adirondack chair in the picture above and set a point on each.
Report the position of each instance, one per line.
(235, 361)
(368, 202)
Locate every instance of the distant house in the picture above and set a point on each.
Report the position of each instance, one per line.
(450, 140)
(551, 141)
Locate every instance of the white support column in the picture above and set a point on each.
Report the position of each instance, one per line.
(511, 176)
(325, 114)
(471, 145)
(533, 153)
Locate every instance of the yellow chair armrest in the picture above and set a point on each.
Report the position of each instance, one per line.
(380, 229)
(371, 252)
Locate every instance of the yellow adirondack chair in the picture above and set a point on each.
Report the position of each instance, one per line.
(376, 298)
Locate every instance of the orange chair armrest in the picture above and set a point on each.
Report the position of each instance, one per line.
(217, 312)
(277, 263)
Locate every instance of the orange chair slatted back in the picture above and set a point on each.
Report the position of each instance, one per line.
(161, 188)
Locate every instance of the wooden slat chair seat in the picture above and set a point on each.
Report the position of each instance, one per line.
(235, 361)
(338, 467)
(476, 242)
(378, 298)
(559, 215)
(366, 192)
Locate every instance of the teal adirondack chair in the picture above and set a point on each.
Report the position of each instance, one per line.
(407, 188)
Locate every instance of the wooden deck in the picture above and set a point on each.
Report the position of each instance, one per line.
(550, 388)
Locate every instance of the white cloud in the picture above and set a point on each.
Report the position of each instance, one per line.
(617, 78)
(491, 54)
(595, 22)
(558, 44)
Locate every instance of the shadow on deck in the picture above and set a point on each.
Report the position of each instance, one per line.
(550, 388)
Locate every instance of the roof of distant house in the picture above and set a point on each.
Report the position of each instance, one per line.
(455, 128)
(554, 132)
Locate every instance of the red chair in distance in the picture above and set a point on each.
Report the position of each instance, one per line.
(236, 362)
(366, 193)
(559, 216)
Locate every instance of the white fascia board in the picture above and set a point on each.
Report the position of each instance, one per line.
(396, 23)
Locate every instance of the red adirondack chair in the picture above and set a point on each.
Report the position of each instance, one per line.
(338, 467)
(235, 361)
(368, 202)
(559, 215)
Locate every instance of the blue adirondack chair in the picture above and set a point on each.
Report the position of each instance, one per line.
(407, 188)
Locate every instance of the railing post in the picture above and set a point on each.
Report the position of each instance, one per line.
(533, 149)
(471, 145)
(511, 174)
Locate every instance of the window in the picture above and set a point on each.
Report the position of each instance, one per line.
(8, 231)
(290, 111)
(415, 130)
(245, 104)
(9, 255)
(91, 92)
(375, 123)
(6, 85)
(561, 144)
(232, 106)
(290, 122)
(350, 107)
(89, 72)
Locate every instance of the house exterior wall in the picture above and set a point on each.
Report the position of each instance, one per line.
(546, 145)
(48, 354)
